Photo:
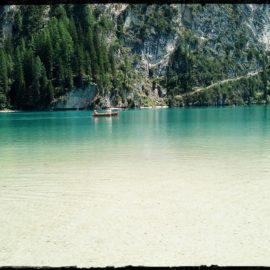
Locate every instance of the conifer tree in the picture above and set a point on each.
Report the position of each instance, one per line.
(3, 72)
(265, 79)
(17, 27)
(18, 87)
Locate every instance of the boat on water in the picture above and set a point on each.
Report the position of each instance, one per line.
(107, 113)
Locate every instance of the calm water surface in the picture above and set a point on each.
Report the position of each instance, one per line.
(188, 186)
(75, 136)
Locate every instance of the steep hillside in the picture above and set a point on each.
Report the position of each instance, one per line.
(133, 55)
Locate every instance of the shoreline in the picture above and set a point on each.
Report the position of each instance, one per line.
(9, 111)
(137, 108)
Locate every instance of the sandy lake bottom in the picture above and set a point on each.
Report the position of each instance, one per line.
(166, 187)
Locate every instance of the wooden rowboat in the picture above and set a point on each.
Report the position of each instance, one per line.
(108, 113)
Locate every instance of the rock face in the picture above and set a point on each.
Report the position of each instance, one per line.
(217, 27)
(152, 32)
(161, 43)
(76, 99)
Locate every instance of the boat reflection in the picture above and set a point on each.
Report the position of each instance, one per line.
(104, 119)
(106, 113)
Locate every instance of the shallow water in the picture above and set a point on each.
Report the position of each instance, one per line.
(149, 187)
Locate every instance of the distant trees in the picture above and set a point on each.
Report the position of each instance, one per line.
(48, 57)
(188, 69)
(265, 78)
(55, 48)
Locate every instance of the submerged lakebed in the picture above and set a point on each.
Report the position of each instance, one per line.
(149, 187)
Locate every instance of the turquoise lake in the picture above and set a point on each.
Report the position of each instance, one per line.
(74, 135)
(149, 187)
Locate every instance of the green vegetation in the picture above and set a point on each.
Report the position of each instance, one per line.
(245, 91)
(53, 49)
(45, 58)
(189, 68)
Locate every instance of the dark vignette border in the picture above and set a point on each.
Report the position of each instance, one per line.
(202, 267)
(148, 2)
(160, 2)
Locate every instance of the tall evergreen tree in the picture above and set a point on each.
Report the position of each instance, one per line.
(18, 86)
(3, 72)
(265, 79)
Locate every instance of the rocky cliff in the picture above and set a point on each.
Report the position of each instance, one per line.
(163, 53)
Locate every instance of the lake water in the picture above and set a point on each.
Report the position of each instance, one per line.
(156, 187)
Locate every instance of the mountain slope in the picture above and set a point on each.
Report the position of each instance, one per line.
(134, 54)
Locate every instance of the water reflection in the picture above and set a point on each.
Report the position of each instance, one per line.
(105, 124)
